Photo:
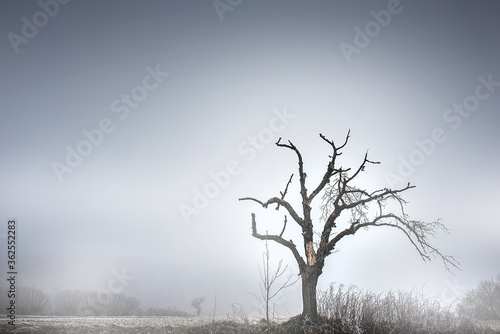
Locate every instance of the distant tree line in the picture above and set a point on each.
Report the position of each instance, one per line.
(166, 312)
(34, 301)
(93, 303)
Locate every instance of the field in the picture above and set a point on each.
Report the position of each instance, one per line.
(144, 325)
(101, 325)
(122, 325)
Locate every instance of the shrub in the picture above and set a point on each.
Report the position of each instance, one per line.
(482, 303)
(351, 310)
(31, 301)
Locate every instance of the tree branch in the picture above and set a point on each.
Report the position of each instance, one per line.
(302, 176)
(281, 202)
(330, 169)
(283, 194)
(362, 167)
(374, 196)
(284, 226)
(277, 238)
(417, 232)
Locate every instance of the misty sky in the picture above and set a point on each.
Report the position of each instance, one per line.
(117, 116)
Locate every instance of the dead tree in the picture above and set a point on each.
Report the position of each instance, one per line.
(341, 197)
(196, 304)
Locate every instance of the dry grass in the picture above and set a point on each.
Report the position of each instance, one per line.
(351, 310)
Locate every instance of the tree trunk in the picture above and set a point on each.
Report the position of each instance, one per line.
(309, 285)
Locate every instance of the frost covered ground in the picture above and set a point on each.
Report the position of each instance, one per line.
(100, 325)
(126, 325)
(106, 325)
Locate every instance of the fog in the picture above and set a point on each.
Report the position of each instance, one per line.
(130, 129)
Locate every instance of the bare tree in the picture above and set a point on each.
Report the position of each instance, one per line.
(378, 208)
(268, 278)
(196, 304)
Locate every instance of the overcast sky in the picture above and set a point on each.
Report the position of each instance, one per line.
(117, 116)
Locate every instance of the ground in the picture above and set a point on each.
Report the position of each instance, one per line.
(136, 325)
(106, 325)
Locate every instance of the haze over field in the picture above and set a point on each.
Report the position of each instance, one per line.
(130, 129)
